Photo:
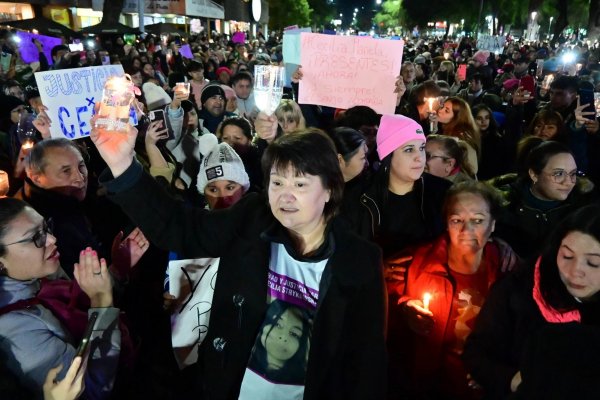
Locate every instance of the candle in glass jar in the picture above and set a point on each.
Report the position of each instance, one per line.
(4, 186)
(27, 144)
(426, 300)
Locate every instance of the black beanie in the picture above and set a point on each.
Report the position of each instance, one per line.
(7, 104)
(210, 90)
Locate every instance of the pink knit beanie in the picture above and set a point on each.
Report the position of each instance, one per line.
(481, 56)
(395, 131)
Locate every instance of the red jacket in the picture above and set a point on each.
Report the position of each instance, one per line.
(429, 272)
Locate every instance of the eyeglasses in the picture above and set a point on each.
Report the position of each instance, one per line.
(429, 156)
(38, 238)
(560, 176)
(217, 98)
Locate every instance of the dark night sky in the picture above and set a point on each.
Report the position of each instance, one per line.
(347, 7)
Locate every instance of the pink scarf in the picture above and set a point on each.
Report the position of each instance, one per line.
(550, 314)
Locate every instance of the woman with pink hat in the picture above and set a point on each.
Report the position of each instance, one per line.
(403, 205)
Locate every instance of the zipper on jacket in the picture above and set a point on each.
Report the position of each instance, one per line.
(363, 201)
(238, 301)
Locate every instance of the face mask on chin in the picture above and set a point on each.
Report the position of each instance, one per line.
(225, 202)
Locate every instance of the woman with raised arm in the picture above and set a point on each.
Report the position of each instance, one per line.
(327, 339)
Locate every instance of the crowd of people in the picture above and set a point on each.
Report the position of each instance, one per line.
(450, 250)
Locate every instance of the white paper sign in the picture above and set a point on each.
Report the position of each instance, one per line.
(70, 95)
(192, 282)
(494, 44)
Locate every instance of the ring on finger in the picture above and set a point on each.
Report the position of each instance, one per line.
(97, 273)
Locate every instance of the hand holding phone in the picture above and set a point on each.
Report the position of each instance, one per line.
(586, 99)
(85, 342)
(159, 115)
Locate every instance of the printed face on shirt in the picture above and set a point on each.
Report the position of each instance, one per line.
(234, 135)
(297, 201)
(24, 260)
(408, 161)
(64, 172)
(282, 339)
(357, 163)
(578, 261)
(556, 180)
(242, 88)
(470, 223)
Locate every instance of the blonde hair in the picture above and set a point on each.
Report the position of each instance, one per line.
(290, 108)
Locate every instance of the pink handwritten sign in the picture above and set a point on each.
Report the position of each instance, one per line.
(346, 71)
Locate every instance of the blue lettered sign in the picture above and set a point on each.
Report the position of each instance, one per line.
(70, 95)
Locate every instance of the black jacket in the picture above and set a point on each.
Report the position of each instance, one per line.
(347, 353)
(525, 227)
(366, 215)
(511, 335)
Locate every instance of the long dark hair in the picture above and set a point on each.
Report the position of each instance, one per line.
(9, 209)
(294, 370)
(585, 220)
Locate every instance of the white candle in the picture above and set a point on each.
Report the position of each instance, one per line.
(426, 300)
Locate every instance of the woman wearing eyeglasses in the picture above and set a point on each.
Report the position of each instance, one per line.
(34, 338)
(446, 157)
(542, 194)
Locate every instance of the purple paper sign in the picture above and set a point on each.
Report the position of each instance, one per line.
(29, 53)
(239, 38)
(186, 51)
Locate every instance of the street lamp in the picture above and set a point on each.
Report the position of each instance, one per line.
(549, 25)
(533, 15)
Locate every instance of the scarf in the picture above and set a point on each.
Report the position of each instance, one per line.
(548, 312)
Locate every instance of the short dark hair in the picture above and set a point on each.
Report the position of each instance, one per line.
(426, 89)
(241, 76)
(347, 141)
(585, 220)
(357, 116)
(570, 83)
(195, 65)
(36, 160)
(311, 152)
(477, 77)
(57, 48)
(490, 195)
(240, 122)
(539, 155)
(10, 208)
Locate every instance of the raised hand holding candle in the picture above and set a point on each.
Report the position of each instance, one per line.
(4, 186)
(118, 93)
(426, 300)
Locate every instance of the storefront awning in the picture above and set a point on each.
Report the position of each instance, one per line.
(204, 8)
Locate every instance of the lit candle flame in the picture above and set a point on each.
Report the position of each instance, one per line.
(4, 185)
(430, 100)
(426, 300)
(27, 144)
